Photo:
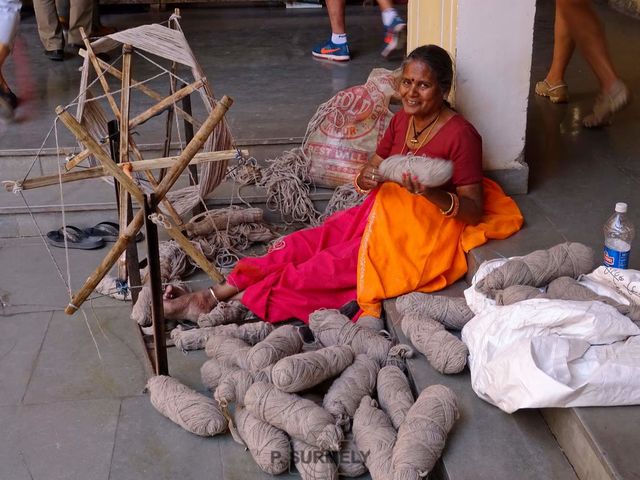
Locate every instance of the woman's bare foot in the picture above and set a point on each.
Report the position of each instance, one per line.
(180, 305)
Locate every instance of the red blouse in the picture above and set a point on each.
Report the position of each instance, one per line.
(457, 140)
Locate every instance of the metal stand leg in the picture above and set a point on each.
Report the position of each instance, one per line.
(157, 312)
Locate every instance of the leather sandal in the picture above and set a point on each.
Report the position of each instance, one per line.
(556, 93)
(607, 104)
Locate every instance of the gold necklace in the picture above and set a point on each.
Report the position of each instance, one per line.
(433, 124)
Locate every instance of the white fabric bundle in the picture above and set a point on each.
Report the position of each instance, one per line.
(431, 172)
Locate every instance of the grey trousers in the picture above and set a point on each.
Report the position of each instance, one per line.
(49, 28)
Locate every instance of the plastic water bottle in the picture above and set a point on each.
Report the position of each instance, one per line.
(618, 235)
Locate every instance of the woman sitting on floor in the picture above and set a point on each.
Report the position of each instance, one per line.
(402, 238)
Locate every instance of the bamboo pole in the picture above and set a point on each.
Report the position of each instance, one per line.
(124, 150)
(76, 160)
(165, 103)
(109, 165)
(100, 74)
(137, 166)
(143, 88)
(167, 182)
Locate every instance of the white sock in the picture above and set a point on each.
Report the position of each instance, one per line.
(388, 15)
(339, 38)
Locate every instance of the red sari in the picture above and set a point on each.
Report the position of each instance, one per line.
(408, 244)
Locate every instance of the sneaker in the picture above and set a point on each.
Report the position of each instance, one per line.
(55, 55)
(332, 51)
(395, 37)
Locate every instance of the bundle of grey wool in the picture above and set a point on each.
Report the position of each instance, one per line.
(422, 436)
(444, 351)
(233, 387)
(330, 327)
(398, 355)
(299, 417)
(196, 338)
(374, 323)
(375, 435)
(224, 313)
(431, 172)
(229, 351)
(305, 370)
(186, 407)
(212, 372)
(452, 312)
(312, 462)
(516, 293)
(539, 268)
(351, 459)
(394, 394)
(268, 445)
(346, 392)
(280, 343)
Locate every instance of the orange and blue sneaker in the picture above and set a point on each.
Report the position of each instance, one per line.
(395, 37)
(332, 51)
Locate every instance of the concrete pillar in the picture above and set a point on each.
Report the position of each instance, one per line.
(491, 44)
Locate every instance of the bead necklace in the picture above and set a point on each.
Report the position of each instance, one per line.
(417, 134)
(424, 140)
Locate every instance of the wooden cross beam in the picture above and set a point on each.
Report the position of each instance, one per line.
(167, 182)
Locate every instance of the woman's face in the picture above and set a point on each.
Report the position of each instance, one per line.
(419, 90)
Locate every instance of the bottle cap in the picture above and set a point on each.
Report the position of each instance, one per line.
(621, 207)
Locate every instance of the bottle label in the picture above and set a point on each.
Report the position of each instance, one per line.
(614, 258)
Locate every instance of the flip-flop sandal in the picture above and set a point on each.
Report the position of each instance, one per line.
(108, 231)
(76, 238)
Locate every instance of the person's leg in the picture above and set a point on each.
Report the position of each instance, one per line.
(554, 86)
(49, 29)
(588, 33)
(395, 28)
(9, 19)
(80, 15)
(337, 48)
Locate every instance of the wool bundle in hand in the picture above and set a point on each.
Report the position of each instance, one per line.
(423, 434)
(313, 463)
(374, 435)
(186, 407)
(346, 392)
(394, 394)
(351, 458)
(330, 327)
(229, 351)
(268, 445)
(280, 343)
(212, 371)
(452, 312)
(431, 172)
(224, 313)
(299, 417)
(305, 370)
(539, 268)
(444, 351)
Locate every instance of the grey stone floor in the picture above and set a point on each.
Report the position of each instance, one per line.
(71, 401)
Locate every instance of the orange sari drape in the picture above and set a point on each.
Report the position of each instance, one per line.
(408, 245)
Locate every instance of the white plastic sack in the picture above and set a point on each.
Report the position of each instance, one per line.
(552, 353)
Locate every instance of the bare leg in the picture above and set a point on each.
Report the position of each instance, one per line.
(335, 8)
(180, 305)
(588, 34)
(4, 53)
(563, 47)
(384, 4)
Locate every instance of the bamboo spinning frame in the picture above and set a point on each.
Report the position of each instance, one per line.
(121, 172)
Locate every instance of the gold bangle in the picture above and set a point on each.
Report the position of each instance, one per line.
(453, 209)
(360, 190)
(213, 295)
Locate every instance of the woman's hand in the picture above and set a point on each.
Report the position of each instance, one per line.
(411, 183)
(369, 177)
